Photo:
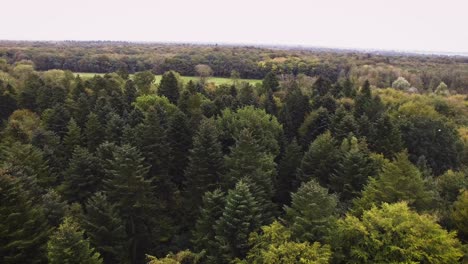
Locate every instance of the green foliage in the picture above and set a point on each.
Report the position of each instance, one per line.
(287, 168)
(185, 257)
(353, 170)
(460, 213)
(270, 82)
(319, 162)
(94, 132)
(73, 137)
(205, 165)
(264, 128)
(132, 194)
(169, 87)
(292, 114)
(401, 84)
(274, 245)
(23, 225)
(143, 81)
(398, 181)
(67, 245)
(435, 139)
(240, 217)
(248, 161)
(83, 177)
(394, 234)
(204, 235)
(105, 229)
(312, 214)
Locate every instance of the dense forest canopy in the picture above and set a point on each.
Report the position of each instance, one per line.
(335, 157)
(424, 72)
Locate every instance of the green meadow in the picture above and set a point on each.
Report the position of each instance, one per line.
(216, 80)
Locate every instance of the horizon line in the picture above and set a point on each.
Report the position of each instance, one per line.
(262, 45)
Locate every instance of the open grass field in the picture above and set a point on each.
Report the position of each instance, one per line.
(216, 80)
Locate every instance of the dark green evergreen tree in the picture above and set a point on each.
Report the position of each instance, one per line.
(73, 138)
(353, 171)
(205, 165)
(240, 217)
(83, 177)
(313, 212)
(23, 225)
(169, 87)
(292, 114)
(287, 168)
(94, 132)
(132, 193)
(180, 139)
(54, 207)
(320, 161)
(113, 130)
(204, 233)
(248, 161)
(270, 82)
(105, 229)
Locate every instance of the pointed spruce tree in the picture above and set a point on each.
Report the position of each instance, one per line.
(204, 233)
(248, 161)
(398, 180)
(132, 193)
(23, 225)
(240, 217)
(205, 165)
(169, 87)
(93, 132)
(180, 139)
(287, 168)
(319, 162)
(353, 170)
(270, 82)
(67, 245)
(312, 214)
(72, 138)
(105, 229)
(83, 177)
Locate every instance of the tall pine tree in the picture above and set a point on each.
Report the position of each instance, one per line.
(241, 216)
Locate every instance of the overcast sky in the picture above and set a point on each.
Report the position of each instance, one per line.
(424, 25)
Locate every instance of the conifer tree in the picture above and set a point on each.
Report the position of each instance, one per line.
(296, 106)
(398, 181)
(287, 168)
(319, 162)
(151, 139)
(23, 226)
(94, 132)
(105, 229)
(113, 130)
(241, 216)
(247, 161)
(54, 207)
(205, 165)
(73, 137)
(169, 87)
(270, 82)
(180, 139)
(67, 245)
(130, 93)
(204, 234)
(313, 212)
(83, 177)
(132, 193)
(353, 171)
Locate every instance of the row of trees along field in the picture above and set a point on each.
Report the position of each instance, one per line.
(423, 72)
(114, 169)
